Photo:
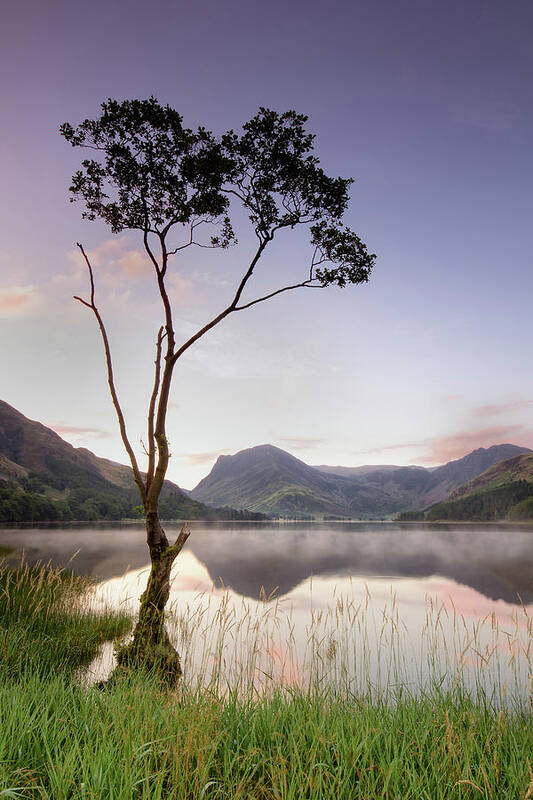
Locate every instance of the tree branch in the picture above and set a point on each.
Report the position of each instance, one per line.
(174, 549)
(158, 478)
(191, 239)
(151, 410)
(229, 309)
(304, 284)
(111, 381)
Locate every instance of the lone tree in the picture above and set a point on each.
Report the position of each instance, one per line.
(149, 173)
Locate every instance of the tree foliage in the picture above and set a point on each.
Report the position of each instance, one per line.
(151, 173)
(178, 186)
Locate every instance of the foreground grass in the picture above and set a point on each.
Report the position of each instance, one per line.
(132, 740)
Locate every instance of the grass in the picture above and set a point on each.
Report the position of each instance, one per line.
(45, 627)
(132, 741)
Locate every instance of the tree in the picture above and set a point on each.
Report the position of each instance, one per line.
(172, 184)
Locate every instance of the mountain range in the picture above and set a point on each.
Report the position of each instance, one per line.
(504, 491)
(268, 479)
(44, 478)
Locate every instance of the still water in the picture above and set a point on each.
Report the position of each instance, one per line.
(365, 607)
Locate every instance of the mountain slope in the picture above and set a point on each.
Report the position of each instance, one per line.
(456, 473)
(42, 477)
(268, 479)
(518, 468)
(504, 491)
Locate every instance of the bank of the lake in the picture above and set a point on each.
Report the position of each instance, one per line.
(361, 607)
(133, 740)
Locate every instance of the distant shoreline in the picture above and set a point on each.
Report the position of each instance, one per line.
(117, 523)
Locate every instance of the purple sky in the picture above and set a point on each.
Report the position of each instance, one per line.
(427, 104)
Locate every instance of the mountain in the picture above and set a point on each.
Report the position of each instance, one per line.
(268, 479)
(504, 491)
(42, 477)
(364, 470)
(518, 468)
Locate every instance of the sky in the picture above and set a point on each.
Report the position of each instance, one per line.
(426, 104)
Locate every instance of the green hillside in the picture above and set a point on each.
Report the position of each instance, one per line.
(270, 480)
(518, 468)
(267, 479)
(43, 478)
(503, 492)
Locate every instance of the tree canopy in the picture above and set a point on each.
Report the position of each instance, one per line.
(150, 173)
(178, 187)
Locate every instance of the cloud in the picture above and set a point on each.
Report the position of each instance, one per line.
(79, 432)
(199, 459)
(298, 442)
(387, 447)
(493, 410)
(180, 289)
(16, 301)
(457, 445)
(115, 256)
(464, 601)
(133, 264)
(114, 261)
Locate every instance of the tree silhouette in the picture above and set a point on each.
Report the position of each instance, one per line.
(177, 187)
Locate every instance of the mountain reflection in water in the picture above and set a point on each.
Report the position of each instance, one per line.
(360, 606)
(262, 558)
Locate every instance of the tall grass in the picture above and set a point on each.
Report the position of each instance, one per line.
(45, 624)
(133, 741)
(350, 646)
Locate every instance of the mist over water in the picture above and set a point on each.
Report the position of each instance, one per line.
(493, 560)
(365, 605)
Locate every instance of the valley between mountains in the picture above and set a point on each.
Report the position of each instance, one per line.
(44, 478)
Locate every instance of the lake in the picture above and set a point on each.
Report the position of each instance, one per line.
(363, 607)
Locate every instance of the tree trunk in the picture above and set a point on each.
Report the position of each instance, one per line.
(150, 647)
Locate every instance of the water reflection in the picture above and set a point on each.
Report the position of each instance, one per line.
(366, 637)
(364, 606)
(495, 561)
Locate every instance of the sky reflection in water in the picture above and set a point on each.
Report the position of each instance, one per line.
(361, 606)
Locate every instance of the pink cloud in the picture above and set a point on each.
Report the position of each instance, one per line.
(457, 445)
(13, 301)
(466, 601)
(115, 256)
(17, 300)
(180, 289)
(493, 410)
(114, 261)
(79, 432)
(198, 459)
(134, 264)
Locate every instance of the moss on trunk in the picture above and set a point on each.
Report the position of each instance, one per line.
(151, 648)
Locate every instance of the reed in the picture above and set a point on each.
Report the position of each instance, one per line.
(352, 648)
(315, 737)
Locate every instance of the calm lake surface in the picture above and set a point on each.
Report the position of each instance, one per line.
(363, 606)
